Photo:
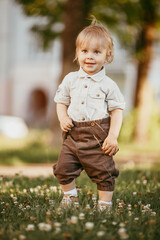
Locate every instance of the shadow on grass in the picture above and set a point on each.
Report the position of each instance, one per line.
(32, 153)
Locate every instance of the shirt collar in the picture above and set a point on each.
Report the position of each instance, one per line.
(96, 77)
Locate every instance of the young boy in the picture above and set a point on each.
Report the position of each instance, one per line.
(89, 108)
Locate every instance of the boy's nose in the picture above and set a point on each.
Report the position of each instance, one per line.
(89, 55)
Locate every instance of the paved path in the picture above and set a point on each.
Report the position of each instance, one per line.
(142, 161)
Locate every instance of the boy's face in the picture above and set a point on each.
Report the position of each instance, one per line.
(91, 56)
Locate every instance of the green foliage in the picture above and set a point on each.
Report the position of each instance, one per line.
(154, 125)
(35, 148)
(128, 126)
(135, 215)
(50, 13)
(129, 123)
(125, 17)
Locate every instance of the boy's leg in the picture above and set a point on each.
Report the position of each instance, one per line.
(105, 196)
(105, 200)
(70, 195)
(68, 187)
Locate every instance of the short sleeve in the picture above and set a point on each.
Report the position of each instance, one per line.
(63, 92)
(115, 98)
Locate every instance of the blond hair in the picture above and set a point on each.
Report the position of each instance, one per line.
(96, 30)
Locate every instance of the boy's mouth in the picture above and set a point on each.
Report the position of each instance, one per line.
(89, 63)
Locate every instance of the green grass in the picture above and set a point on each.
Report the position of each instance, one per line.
(37, 147)
(135, 215)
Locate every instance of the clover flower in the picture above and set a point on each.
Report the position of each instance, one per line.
(81, 216)
(122, 233)
(22, 237)
(114, 223)
(53, 188)
(100, 233)
(30, 227)
(57, 224)
(74, 220)
(44, 227)
(89, 225)
(144, 182)
(153, 214)
(87, 207)
(137, 181)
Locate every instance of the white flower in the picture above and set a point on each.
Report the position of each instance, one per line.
(24, 190)
(104, 221)
(138, 181)
(15, 203)
(153, 214)
(122, 225)
(136, 218)
(87, 207)
(74, 220)
(134, 193)
(44, 227)
(22, 237)
(89, 225)
(15, 199)
(30, 227)
(51, 202)
(129, 213)
(144, 182)
(31, 190)
(100, 233)
(114, 223)
(121, 230)
(122, 233)
(57, 230)
(81, 216)
(28, 207)
(57, 225)
(53, 188)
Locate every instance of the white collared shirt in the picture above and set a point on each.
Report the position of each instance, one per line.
(89, 97)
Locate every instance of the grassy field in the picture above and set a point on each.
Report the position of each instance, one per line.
(37, 147)
(29, 209)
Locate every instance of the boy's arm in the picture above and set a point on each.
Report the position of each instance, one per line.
(110, 145)
(65, 121)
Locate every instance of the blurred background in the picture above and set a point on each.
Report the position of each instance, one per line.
(37, 46)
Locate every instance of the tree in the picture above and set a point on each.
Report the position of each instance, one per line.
(139, 21)
(73, 15)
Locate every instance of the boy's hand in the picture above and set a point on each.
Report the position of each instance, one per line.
(110, 145)
(66, 124)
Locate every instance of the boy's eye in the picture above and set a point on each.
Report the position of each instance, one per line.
(84, 51)
(96, 51)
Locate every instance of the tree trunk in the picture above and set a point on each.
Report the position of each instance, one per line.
(75, 18)
(143, 91)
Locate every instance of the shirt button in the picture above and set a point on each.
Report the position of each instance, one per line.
(97, 95)
(85, 86)
(83, 119)
(82, 102)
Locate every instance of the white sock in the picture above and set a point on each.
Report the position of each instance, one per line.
(72, 192)
(107, 203)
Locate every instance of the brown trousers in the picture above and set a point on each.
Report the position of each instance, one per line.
(81, 149)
